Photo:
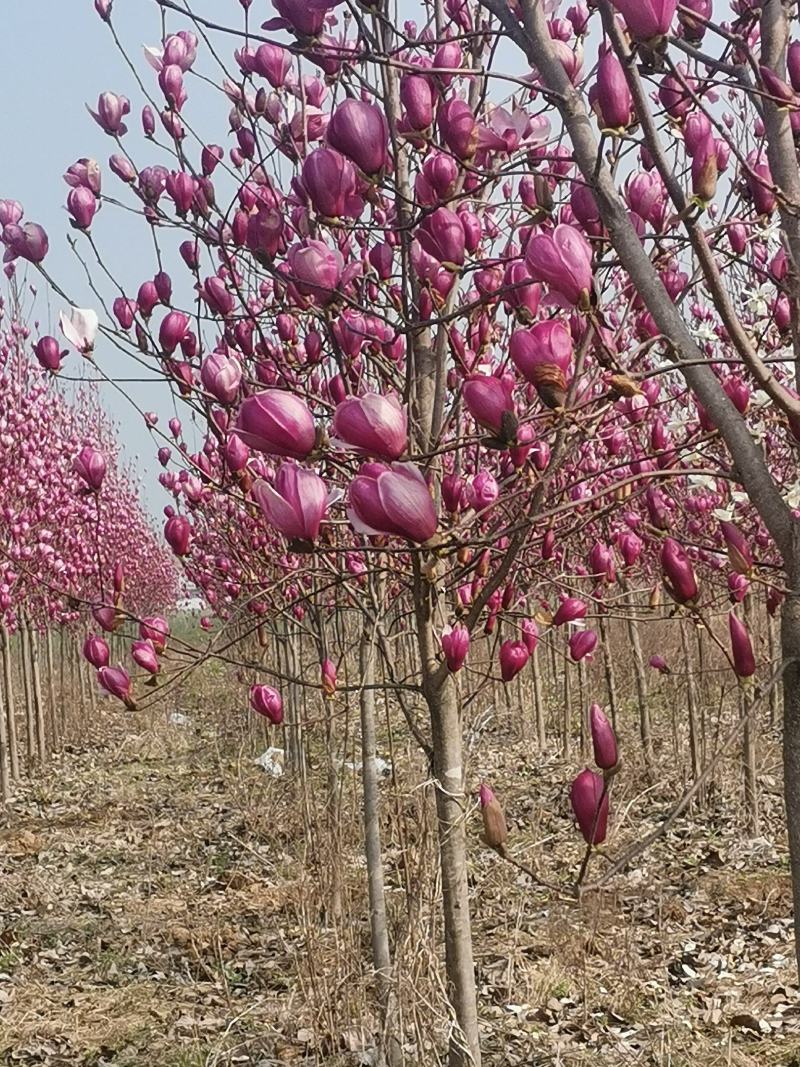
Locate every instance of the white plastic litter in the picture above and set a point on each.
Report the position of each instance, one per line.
(271, 762)
(177, 718)
(383, 768)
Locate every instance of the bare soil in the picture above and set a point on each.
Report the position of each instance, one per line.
(165, 903)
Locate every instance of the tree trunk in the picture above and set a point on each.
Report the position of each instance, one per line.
(566, 717)
(450, 803)
(749, 738)
(4, 754)
(608, 667)
(691, 704)
(51, 689)
(790, 649)
(538, 698)
(774, 693)
(8, 685)
(27, 691)
(583, 703)
(379, 931)
(645, 726)
(38, 701)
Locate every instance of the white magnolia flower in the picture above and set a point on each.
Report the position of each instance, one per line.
(79, 326)
(154, 56)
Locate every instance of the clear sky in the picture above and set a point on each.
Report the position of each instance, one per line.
(58, 57)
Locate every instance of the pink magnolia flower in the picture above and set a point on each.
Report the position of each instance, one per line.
(315, 269)
(111, 110)
(267, 701)
(172, 330)
(117, 682)
(28, 241)
(393, 500)
(514, 655)
(612, 97)
(648, 19)
(590, 805)
(90, 465)
(156, 630)
(49, 353)
(739, 555)
(679, 576)
(530, 634)
(418, 97)
(455, 645)
(441, 235)
(95, 651)
(604, 740)
(359, 131)
(330, 181)
(483, 491)
(744, 662)
(569, 610)
(221, 376)
(177, 532)
(562, 259)
(295, 504)
(373, 424)
(278, 423)
(659, 664)
(489, 401)
(328, 672)
(581, 644)
(145, 656)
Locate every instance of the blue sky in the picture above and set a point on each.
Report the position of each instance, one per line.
(58, 57)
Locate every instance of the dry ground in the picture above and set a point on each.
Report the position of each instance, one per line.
(163, 903)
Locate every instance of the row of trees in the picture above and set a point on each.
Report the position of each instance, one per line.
(78, 549)
(487, 324)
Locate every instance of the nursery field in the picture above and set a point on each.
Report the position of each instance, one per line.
(165, 901)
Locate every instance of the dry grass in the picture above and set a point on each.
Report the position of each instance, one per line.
(165, 904)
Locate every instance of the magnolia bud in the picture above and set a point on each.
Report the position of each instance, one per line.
(495, 831)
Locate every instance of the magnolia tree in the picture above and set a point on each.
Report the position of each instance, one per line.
(486, 317)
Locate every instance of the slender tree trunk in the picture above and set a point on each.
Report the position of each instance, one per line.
(691, 704)
(379, 931)
(774, 693)
(82, 691)
(38, 700)
(4, 753)
(566, 715)
(584, 709)
(51, 689)
(74, 669)
(608, 667)
(450, 809)
(27, 692)
(790, 650)
(749, 737)
(640, 678)
(8, 685)
(749, 765)
(538, 699)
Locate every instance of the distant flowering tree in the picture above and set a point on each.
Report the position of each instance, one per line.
(484, 347)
